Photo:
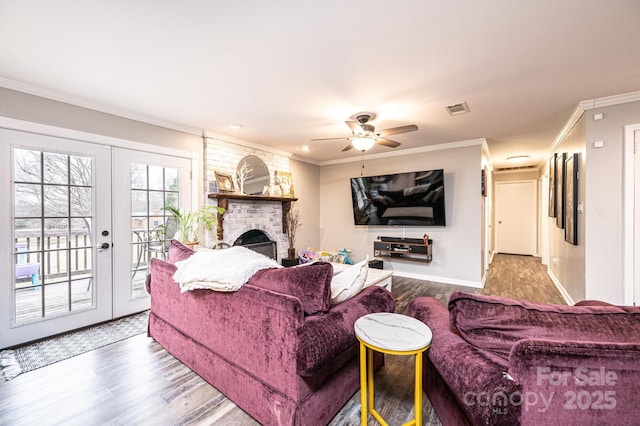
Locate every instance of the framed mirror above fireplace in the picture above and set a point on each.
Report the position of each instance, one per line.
(258, 177)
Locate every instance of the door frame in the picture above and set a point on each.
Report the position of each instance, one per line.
(630, 293)
(85, 137)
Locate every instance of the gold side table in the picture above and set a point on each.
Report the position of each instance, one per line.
(393, 334)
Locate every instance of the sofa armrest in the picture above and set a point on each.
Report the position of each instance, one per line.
(570, 382)
(323, 337)
(471, 374)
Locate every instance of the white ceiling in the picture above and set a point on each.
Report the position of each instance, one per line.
(290, 71)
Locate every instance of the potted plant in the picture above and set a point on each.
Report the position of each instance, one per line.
(187, 224)
(293, 221)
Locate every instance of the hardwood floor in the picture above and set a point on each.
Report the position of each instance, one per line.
(136, 381)
(521, 277)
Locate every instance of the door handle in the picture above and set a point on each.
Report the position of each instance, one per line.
(102, 247)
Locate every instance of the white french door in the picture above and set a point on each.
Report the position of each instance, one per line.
(56, 236)
(77, 230)
(144, 185)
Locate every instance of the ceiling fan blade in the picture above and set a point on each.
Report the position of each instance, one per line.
(396, 130)
(347, 148)
(387, 142)
(355, 127)
(331, 139)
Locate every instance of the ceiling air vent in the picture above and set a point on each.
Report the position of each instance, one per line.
(458, 109)
(515, 168)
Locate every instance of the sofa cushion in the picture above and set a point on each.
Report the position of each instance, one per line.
(178, 252)
(310, 284)
(349, 282)
(495, 323)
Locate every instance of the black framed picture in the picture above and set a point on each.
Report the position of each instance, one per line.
(483, 183)
(559, 190)
(571, 199)
(552, 185)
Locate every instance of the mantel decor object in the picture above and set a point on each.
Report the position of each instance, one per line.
(225, 182)
(293, 222)
(284, 180)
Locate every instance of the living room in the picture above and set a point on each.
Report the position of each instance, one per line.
(579, 97)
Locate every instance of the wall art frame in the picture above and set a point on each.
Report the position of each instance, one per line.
(483, 182)
(559, 190)
(225, 182)
(552, 185)
(571, 199)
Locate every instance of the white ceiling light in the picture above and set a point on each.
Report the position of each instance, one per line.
(363, 144)
(236, 126)
(517, 158)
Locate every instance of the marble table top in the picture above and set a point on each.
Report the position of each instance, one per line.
(395, 332)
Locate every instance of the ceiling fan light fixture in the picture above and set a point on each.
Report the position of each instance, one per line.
(363, 144)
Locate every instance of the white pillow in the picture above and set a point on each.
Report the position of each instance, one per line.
(349, 283)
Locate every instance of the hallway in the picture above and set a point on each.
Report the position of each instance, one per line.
(521, 277)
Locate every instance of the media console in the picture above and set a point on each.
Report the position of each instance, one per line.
(416, 249)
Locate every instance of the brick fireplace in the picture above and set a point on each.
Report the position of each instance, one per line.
(244, 215)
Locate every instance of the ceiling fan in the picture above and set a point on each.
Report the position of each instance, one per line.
(365, 135)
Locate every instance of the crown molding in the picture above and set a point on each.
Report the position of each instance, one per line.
(588, 105)
(410, 151)
(611, 100)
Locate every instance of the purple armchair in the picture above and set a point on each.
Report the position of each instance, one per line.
(501, 361)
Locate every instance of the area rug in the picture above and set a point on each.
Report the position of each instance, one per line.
(46, 352)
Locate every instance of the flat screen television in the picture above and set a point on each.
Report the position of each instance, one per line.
(401, 199)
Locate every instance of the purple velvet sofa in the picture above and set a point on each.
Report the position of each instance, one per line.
(275, 347)
(499, 361)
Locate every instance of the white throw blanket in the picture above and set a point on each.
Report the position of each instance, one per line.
(220, 270)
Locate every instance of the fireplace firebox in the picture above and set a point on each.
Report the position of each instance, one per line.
(259, 242)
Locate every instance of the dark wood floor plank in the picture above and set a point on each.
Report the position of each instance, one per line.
(136, 381)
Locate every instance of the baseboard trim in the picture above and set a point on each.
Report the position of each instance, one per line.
(561, 289)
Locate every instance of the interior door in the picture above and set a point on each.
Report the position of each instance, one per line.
(515, 217)
(144, 184)
(56, 236)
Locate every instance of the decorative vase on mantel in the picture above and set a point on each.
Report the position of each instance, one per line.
(291, 253)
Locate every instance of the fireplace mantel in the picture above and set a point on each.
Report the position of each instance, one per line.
(223, 201)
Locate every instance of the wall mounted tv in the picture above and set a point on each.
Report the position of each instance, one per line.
(401, 199)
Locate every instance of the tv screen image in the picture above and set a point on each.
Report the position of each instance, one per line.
(401, 199)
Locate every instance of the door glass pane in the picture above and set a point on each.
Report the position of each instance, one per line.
(27, 198)
(27, 165)
(148, 217)
(52, 251)
(80, 201)
(81, 172)
(56, 168)
(56, 201)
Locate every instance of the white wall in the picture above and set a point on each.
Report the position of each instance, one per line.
(27, 107)
(566, 261)
(603, 208)
(593, 269)
(456, 248)
(306, 180)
